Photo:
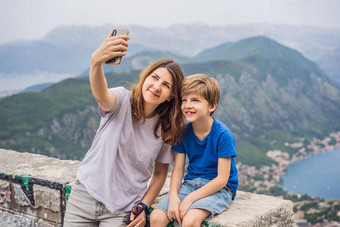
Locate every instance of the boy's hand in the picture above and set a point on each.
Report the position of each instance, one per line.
(173, 211)
(184, 206)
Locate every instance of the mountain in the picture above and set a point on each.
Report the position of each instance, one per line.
(270, 94)
(59, 121)
(30, 57)
(260, 45)
(266, 103)
(38, 87)
(140, 60)
(214, 53)
(330, 63)
(68, 49)
(190, 39)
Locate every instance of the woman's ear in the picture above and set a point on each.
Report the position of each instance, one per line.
(170, 97)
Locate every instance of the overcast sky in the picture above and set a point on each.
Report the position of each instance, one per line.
(32, 19)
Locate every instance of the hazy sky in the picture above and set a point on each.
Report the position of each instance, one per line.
(32, 19)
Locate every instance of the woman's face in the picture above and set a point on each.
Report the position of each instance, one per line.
(157, 87)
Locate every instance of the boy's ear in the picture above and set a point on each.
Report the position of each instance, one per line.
(213, 107)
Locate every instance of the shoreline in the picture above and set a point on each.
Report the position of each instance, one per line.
(317, 146)
(301, 154)
(298, 178)
(308, 209)
(265, 179)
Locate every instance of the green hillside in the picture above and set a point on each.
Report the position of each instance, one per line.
(270, 95)
(60, 121)
(330, 63)
(265, 104)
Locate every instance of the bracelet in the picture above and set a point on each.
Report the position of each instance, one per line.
(145, 207)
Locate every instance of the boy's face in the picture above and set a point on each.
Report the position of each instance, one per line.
(195, 107)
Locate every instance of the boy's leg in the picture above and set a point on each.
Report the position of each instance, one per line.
(162, 208)
(215, 203)
(158, 218)
(194, 217)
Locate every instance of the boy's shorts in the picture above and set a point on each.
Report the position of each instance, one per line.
(215, 203)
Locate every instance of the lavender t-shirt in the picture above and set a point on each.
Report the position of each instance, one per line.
(116, 169)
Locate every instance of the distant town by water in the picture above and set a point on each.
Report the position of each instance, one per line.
(318, 175)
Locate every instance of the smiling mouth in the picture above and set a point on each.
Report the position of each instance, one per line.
(154, 94)
(189, 112)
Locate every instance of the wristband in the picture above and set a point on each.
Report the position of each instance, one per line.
(145, 207)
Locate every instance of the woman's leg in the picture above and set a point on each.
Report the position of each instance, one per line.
(80, 208)
(194, 217)
(109, 220)
(158, 218)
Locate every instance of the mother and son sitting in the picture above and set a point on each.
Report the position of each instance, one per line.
(145, 126)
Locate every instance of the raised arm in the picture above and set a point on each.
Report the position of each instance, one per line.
(113, 46)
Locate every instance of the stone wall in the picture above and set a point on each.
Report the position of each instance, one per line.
(33, 188)
(34, 191)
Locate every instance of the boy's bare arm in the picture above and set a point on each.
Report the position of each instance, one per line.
(175, 183)
(177, 174)
(223, 172)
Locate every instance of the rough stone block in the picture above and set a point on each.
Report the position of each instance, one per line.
(36, 185)
(20, 196)
(5, 192)
(38, 166)
(256, 210)
(47, 198)
(10, 218)
(15, 219)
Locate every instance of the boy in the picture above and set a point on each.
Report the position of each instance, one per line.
(212, 179)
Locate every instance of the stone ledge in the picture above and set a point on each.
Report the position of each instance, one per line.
(34, 190)
(257, 210)
(250, 209)
(38, 166)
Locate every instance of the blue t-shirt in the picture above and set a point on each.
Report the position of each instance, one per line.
(203, 155)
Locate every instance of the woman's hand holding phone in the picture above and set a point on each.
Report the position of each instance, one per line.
(113, 47)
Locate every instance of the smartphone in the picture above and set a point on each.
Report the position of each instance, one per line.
(117, 31)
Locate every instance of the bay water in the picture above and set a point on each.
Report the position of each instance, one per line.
(318, 175)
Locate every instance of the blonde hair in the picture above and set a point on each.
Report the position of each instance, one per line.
(170, 118)
(203, 85)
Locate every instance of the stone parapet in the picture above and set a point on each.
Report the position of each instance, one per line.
(33, 188)
(34, 191)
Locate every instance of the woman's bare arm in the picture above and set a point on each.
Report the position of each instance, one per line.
(105, 98)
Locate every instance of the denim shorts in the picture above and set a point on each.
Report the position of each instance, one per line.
(215, 203)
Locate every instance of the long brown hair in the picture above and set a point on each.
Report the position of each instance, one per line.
(170, 117)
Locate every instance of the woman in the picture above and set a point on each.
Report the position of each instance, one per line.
(137, 129)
